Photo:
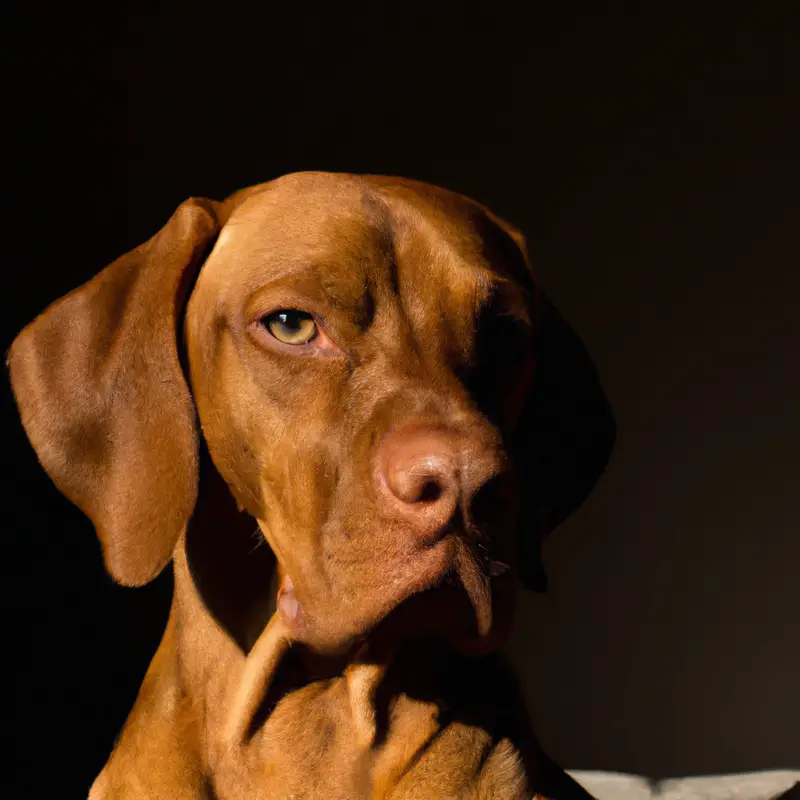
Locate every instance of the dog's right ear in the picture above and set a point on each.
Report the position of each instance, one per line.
(99, 386)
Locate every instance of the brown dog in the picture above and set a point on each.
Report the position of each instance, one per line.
(362, 370)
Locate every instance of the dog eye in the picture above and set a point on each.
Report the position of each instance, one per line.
(290, 326)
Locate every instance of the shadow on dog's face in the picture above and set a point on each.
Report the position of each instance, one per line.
(359, 352)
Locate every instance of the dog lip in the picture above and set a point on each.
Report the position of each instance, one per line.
(416, 570)
(423, 570)
(419, 570)
(479, 644)
(288, 604)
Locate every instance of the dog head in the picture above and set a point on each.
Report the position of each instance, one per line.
(375, 375)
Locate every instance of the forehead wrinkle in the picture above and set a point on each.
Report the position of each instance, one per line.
(445, 322)
(448, 239)
(441, 278)
(430, 260)
(456, 240)
(371, 263)
(379, 216)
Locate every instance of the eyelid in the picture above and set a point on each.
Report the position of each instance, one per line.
(270, 298)
(259, 308)
(289, 310)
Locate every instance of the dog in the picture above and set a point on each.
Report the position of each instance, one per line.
(361, 375)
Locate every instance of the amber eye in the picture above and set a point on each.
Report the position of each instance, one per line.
(290, 326)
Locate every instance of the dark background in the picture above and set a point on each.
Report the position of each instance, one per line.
(651, 159)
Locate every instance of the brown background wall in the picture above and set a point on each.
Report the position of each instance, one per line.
(651, 160)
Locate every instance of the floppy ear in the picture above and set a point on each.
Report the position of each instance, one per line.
(566, 431)
(565, 437)
(98, 383)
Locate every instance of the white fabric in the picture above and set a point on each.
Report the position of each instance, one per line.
(747, 786)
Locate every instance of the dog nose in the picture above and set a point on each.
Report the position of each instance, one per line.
(420, 467)
(419, 471)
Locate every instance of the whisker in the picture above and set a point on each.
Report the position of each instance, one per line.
(261, 540)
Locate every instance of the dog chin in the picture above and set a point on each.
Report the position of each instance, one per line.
(475, 622)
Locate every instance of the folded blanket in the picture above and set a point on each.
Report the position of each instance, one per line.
(770, 785)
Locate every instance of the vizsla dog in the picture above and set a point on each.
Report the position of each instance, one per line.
(360, 375)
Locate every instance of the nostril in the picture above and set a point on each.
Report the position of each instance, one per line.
(417, 486)
(430, 492)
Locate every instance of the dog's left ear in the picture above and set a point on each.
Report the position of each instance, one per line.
(566, 431)
(565, 437)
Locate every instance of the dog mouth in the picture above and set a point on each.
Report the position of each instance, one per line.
(445, 589)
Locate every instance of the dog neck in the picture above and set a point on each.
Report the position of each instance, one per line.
(358, 726)
(201, 670)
